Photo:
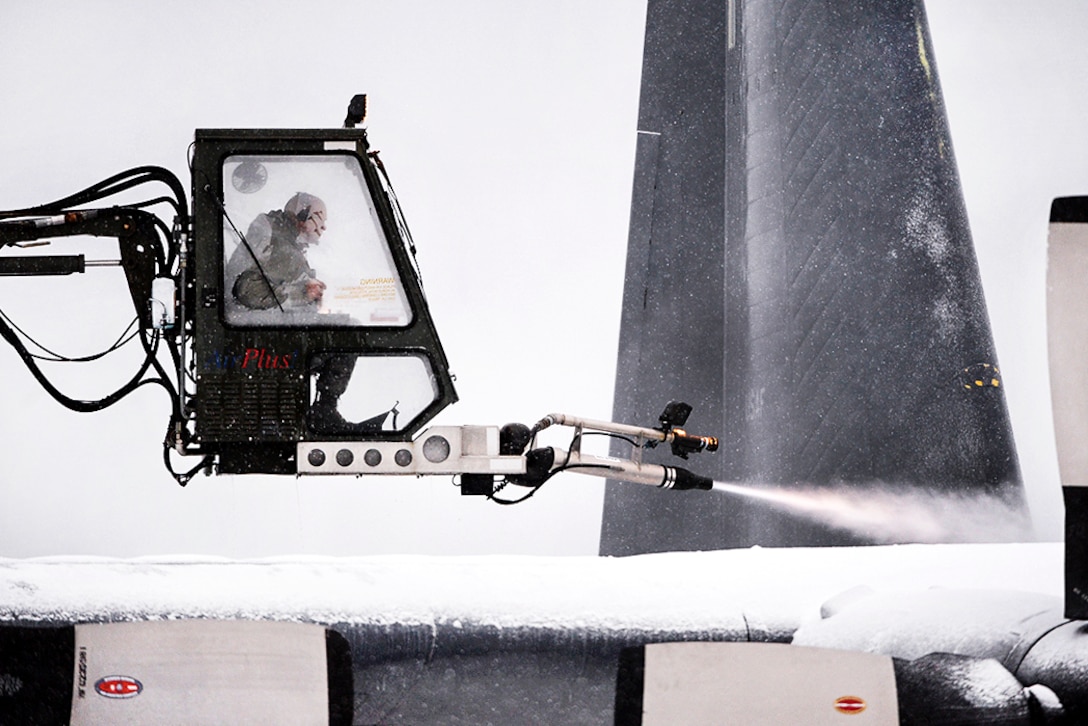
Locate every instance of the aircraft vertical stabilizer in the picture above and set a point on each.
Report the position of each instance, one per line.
(800, 270)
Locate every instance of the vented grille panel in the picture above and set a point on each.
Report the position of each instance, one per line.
(244, 408)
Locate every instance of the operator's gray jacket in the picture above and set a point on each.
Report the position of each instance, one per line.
(273, 238)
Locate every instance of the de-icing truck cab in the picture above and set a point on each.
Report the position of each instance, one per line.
(276, 363)
(297, 336)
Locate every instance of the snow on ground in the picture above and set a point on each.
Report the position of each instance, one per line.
(698, 590)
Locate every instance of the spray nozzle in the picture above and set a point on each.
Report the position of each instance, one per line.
(684, 443)
(683, 480)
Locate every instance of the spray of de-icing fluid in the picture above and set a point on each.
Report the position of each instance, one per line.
(886, 514)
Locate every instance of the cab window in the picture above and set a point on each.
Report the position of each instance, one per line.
(303, 245)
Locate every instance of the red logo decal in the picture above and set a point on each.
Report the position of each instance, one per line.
(118, 687)
(849, 704)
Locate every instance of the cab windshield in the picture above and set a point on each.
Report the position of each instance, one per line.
(303, 245)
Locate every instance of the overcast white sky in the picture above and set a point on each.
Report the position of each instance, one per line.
(509, 132)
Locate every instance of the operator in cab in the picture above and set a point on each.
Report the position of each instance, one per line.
(276, 274)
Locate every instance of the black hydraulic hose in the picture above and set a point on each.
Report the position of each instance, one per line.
(152, 357)
(164, 249)
(114, 185)
(122, 339)
(165, 252)
(183, 478)
(74, 404)
(507, 502)
(172, 250)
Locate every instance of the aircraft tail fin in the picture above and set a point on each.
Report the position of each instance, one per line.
(800, 269)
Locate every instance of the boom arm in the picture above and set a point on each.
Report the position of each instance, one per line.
(148, 250)
(488, 458)
(142, 256)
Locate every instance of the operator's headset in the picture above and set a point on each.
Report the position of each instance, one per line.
(303, 214)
